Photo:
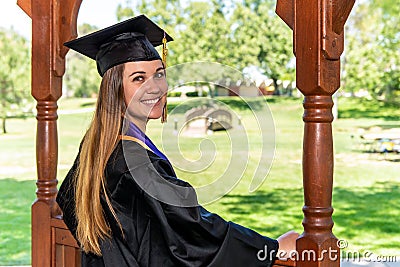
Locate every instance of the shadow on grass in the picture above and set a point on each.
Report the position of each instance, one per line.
(356, 108)
(394, 160)
(360, 213)
(273, 212)
(369, 211)
(355, 113)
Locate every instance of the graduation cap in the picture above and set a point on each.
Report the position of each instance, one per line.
(134, 39)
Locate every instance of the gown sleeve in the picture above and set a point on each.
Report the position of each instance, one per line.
(175, 235)
(66, 199)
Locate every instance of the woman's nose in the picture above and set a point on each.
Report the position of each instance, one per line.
(151, 86)
(155, 86)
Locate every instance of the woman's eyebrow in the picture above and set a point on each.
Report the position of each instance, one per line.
(136, 72)
(143, 72)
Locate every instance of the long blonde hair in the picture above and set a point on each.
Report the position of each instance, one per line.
(98, 144)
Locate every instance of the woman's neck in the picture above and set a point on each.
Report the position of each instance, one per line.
(141, 125)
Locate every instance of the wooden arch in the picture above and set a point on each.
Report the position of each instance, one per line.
(318, 44)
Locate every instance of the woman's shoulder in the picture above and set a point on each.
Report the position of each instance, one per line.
(117, 164)
(129, 156)
(131, 159)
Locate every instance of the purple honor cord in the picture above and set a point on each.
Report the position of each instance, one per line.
(134, 131)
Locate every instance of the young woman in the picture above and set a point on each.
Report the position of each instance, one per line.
(121, 199)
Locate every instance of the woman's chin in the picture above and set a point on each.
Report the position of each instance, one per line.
(155, 116)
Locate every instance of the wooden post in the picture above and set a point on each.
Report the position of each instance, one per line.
(318, 44)
(53, 23)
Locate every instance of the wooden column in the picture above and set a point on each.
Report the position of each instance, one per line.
(318, 44)
(53, 23)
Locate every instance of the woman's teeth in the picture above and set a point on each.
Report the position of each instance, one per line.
(150, 101)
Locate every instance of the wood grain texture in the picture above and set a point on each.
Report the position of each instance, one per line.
(318, 44)
(53, 23)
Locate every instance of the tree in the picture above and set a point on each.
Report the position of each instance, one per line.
(14, 75)
(263, 40)
(81, 76)
(234, 33)
(372, 58)
(391, 47)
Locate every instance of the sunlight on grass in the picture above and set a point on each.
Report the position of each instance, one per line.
(366, 185)
(16, 198)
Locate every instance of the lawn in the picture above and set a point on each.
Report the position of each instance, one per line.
(366, 186)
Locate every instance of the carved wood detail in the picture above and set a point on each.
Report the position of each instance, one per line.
(53, 23)
(25, 5)
(318, 44)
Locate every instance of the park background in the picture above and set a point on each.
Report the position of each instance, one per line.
(247, 36)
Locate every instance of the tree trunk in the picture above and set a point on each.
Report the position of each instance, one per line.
(4, 124)
(276, 87)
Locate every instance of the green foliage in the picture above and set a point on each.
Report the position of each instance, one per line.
(124, 12)
(263, 40)
(15, 99)
(196, 94)
(192, 94)
(174, 94)
(239, 103)
(372, 59)
(238, 33)
(81, 78)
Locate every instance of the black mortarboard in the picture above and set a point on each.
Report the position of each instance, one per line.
(131, 40)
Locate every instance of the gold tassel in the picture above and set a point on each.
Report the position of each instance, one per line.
(164, 59)
(164, 51)
(164, 113)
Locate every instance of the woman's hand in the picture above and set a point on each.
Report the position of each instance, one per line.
(287, 243)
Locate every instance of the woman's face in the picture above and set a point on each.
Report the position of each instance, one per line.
(145, 90)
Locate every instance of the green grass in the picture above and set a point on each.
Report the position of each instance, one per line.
(364, 108)
(15, 201)
(366, 186)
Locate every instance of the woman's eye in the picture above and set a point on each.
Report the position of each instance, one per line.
(138, 79)
(160, 75)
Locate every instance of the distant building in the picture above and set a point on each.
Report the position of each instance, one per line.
(243, 88)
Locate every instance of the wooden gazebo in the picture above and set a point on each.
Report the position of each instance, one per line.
(318, 44)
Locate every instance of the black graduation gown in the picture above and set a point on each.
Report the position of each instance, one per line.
(158, 234)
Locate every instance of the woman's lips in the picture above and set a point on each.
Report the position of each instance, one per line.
(151, 102)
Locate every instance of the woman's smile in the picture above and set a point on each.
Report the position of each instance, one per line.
(151, 102)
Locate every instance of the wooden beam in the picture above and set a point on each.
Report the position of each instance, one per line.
(285, 10)
(25, 5)
(318, 44)
(53, 23)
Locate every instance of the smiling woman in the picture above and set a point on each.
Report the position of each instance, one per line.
(121, 199)
(145, 91)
